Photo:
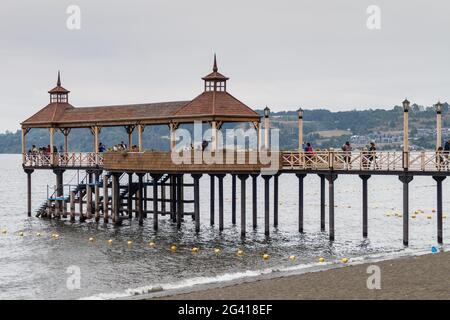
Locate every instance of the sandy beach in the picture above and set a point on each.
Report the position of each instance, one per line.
(417, 277)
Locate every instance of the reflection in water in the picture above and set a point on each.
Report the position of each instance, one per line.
(35, 266)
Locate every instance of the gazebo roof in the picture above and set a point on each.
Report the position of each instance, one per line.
(208, 106)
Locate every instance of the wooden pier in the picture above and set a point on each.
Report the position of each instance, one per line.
(144, 184)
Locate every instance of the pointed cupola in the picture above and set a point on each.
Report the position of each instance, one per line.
(59, 94)
(215, 81)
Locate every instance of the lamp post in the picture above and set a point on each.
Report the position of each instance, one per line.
(300, 129)
(405, 133)
(266, 127)
(438, 125)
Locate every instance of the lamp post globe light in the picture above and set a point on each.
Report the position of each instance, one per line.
(300, 129)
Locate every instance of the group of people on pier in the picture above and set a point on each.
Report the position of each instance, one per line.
(368, 156)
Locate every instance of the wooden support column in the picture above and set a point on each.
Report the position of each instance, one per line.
(89, 196)
(173, 198)
(59, 190)
(233, 199)
(197, 201)
(163, 198)
(267, 204)
(82, 218)
(139, 198)
(72, 206)
(105, 200)
(254, 199)
(212, 199)
(243, 178)
(155, 178)
(29, 172)
(331, 178)
(300, 177)
(439, 180)
(116, 198)
(322, 202)
(275, 200)
(52, 139)
(24, 143)
(140, 128)
(405, 179)
(144, 200)
(130, 196)
(220, 178)
(65, 132)
(179, 200)
(97, 195)
(129, 129)
(365, 206)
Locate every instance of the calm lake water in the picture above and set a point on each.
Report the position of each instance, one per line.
(35, 267)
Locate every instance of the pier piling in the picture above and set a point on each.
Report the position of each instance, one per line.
(29, 172)
(243, 178)
(130, 196)
(105, 199)
(116, 198)
(364, 179)
(331, 178)
(439, 180)
(267, 204)
(179, 200)
(300, 177)
(233, 199)
(72, 206)
(322, 202)
(220, 178)
(254, 199)
(212, 199)
(275, 200)
(405, 179)
(196, 178)
(97, 195)
(155, 178)
(139, 200)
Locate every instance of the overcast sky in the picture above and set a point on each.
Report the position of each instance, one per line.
(283, 54)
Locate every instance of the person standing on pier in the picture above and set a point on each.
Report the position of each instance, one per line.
(346, 147)
(373, 155)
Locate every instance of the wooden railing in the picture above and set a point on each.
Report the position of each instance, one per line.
(366, 160)
(318, 160)
(64, 159)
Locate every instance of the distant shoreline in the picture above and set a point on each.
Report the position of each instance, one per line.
(411, 277)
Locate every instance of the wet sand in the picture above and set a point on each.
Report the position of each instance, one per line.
(419, 277)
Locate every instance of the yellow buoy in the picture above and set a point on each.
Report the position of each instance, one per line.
(110, 241)
(173, 248)
(4, 231)
(151, 244)
(55, 236)
(130, 243)
(400, 215)
(429, 216)
(388, 214)
(91, 239)
(194, 250)
(38, 234)
(321, 259)
(216, 250)
(413, 216)
(21, 234)
(344, 260)
(266, 256)
(292, 257)
(444, 216)
(240, 253)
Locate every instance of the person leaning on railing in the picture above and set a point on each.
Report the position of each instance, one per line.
(441, 160)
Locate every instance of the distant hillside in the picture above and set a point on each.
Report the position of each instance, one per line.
(322, 128)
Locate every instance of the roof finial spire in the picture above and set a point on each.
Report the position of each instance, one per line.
(215, 69)
(58, 83)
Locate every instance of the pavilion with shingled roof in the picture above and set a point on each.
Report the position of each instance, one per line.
(214, 106)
